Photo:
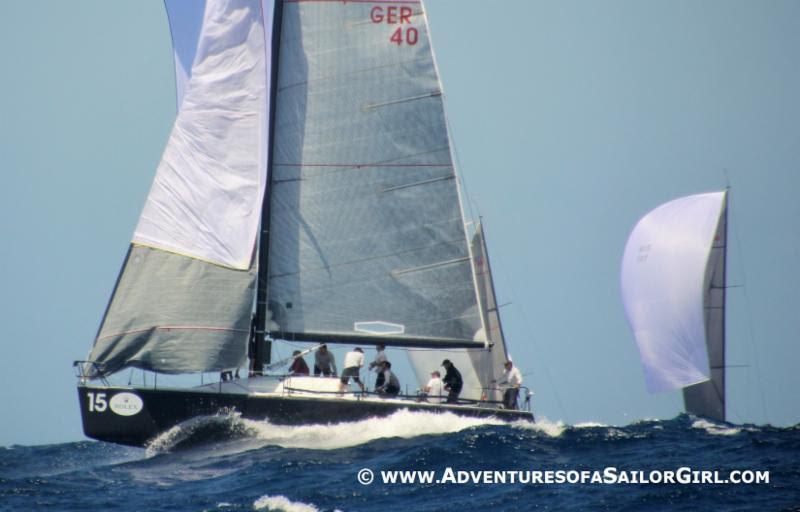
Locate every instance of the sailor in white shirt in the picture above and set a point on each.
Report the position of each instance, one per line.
(512, 378)
(434, 388)
(353, 361)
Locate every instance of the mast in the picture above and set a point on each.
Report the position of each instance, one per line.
(721, 388)
(260, 349)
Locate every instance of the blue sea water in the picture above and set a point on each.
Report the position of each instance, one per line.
(225, 463)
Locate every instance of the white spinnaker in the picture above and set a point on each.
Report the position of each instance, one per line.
(663, 278)
(206, 198)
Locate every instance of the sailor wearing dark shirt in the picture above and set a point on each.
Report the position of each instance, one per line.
(377, 364)
(299, 366)
(391, 385)
(452, 381)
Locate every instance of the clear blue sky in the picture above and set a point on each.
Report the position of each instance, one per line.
(570, 119)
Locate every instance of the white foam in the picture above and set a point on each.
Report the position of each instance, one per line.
(542, 425)
(404, 424)
(590, 424)
(282, 504)
(168, 439)
(715, 429)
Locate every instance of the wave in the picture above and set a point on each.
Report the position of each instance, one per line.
(401, 424)
(542, 426)
(223, 426)
(404, 424)
(716, 429)
(283, 504)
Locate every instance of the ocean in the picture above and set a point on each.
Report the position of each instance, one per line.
(225, 463)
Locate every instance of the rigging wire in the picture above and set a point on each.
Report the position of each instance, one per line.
(473, 207)
(749, 319)
(534, 341)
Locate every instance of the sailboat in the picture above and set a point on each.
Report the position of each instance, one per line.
(673, 289)
(307, 194)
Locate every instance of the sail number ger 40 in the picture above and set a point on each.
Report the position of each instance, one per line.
(396, 15)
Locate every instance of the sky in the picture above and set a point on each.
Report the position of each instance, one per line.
(570, 120)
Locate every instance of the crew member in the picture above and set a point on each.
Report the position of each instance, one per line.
(391, 385)
(512, 379)
(452, 381)
(299, 366)
(432, 391)
(324, 363)
(353, 361)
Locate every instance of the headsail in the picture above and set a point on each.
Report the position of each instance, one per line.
(189, 273)
(673, 292)
(366, 230)
(481, 369)
(489, 364)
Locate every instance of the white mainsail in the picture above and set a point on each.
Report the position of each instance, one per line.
(673, 293)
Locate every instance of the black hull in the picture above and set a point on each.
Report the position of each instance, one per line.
(163, 409)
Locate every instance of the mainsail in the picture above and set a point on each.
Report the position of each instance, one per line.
(673, 288)
(367, 240)
(189, 274)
